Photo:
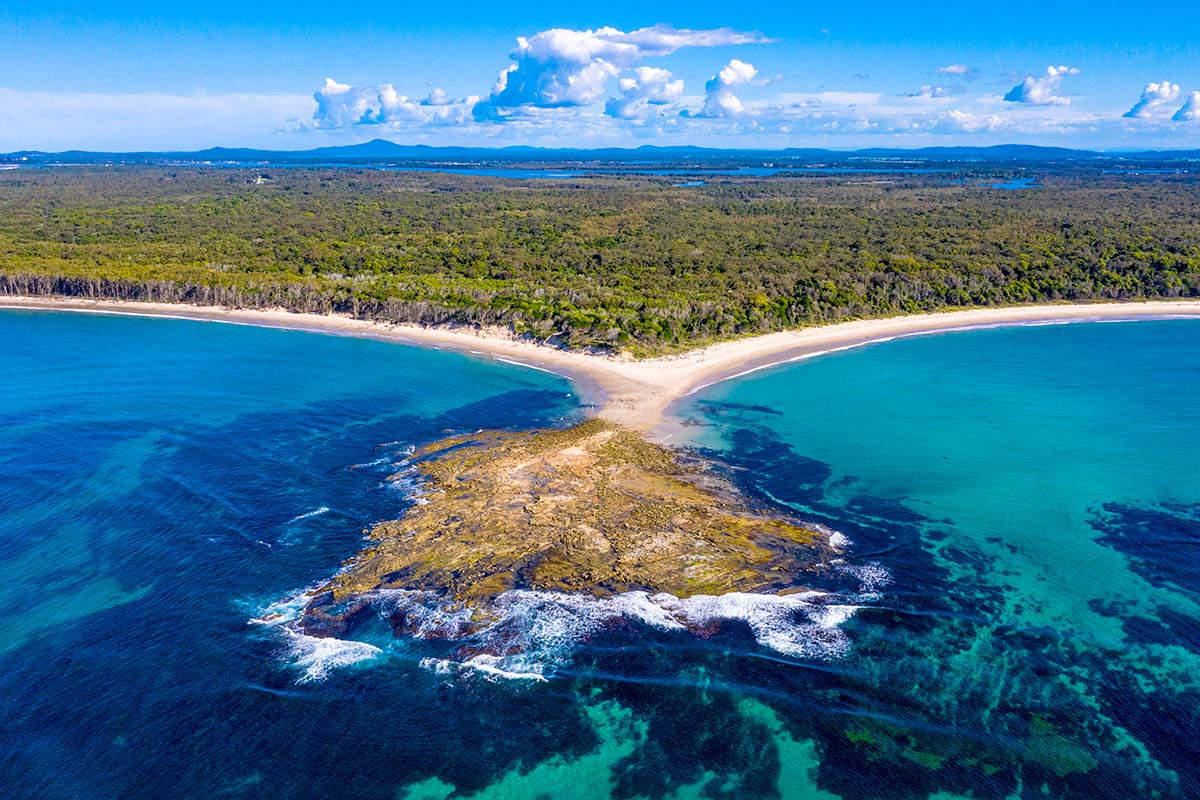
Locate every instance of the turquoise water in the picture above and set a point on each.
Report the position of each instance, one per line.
(1036, 494)
(1023, 507)
(161, 481)
(1015, 184)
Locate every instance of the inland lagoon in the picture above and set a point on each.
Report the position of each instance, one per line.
(974, 571)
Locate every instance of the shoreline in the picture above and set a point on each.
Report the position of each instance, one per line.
(639, 394)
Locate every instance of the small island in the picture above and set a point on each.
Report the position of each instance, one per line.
(594, 508)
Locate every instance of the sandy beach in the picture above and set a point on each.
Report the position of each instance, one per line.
(639, 393)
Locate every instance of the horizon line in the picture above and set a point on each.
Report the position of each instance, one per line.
(26, 153)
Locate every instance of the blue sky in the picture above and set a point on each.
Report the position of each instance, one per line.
(132, 75)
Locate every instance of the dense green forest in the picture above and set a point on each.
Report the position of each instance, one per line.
(607, 261)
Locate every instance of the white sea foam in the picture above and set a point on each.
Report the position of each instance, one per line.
(318, 656)
(797, 625)
(283, 612)
(531, 633)
(484, 664)
(516, 363)
(528, 634)
(378, 462)
(871, 577)
(837, 540)
(316, 512)
(441, 666)
(407, 481)
(315, 656)
(424, 616)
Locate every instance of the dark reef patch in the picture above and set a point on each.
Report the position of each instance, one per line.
(1166, 719)
(902, 713)
(1162, 542)
(213, 489)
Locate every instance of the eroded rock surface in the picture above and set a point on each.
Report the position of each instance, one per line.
(594, 508)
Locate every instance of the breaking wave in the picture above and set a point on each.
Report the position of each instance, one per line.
(314, 656)
(316, 512)
(395, 455)
(871, 577)
(526, 634)
(839, 541)
(407, 481)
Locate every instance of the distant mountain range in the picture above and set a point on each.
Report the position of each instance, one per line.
(380, 150)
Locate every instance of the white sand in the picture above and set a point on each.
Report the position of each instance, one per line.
(638, 393)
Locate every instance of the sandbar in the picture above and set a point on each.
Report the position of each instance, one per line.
(639, 393)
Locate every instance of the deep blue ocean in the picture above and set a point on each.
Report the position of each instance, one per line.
(1029, 497)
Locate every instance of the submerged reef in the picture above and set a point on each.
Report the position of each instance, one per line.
(591, 509)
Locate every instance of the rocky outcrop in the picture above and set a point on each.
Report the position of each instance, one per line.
(593, 509)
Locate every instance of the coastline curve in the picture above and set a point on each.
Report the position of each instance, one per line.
(640, 394)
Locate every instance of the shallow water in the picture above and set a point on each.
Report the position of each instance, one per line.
(1035, 493)
(1024, 565)
(1014, 184)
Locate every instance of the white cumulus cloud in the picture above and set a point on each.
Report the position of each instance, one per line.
(650, 86)
(340, 105)
(954, 69)
(562, 68)
(1155, 97)
(929, 91)
(662, 40)
(437, 97)
(1190, 111)
(719, 99)
(1042, 91)
(955, 121)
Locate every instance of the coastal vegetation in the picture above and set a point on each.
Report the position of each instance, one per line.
(608, 261)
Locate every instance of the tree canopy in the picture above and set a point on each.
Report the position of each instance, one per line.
(612, 261)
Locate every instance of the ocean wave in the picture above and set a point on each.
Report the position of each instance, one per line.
(395, 456)
(516, 363)
(527, 635)
(838, 540)
(407, 482)
(484, 664)
(316, 512)
(378, 462)
(872, 578)
(314, 656)
(797, 625)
